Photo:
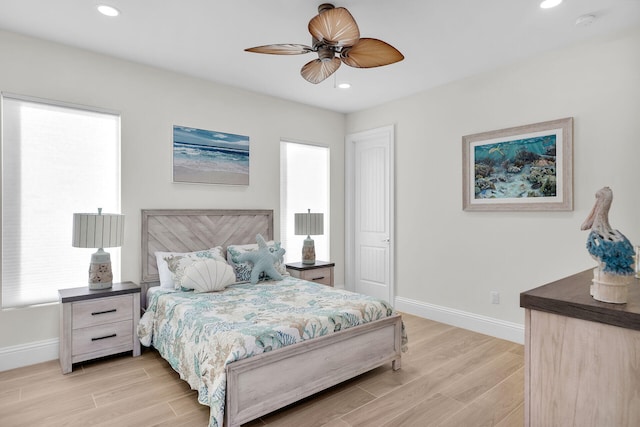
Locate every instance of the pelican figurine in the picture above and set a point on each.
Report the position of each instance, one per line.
(612, 250)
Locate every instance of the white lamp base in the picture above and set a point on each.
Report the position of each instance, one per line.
(308, 251)
(100, 274)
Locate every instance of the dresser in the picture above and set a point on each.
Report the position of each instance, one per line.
(582, 356)
(97, 323)
(320, 272)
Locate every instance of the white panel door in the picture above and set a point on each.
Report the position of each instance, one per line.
(371, 224)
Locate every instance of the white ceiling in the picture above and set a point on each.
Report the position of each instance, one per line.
(442, 40)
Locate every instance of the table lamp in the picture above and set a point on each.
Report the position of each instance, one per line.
(311, 224)
(98, 231)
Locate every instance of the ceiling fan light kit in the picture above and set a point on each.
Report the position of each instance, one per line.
(336, 39)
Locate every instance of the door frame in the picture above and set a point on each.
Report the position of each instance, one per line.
(350, 267)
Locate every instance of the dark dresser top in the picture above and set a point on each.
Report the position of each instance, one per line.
(84, 293)
(570, 297)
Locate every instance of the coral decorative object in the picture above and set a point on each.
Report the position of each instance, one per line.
(612, 250)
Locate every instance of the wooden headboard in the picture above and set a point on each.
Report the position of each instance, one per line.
(188, 230)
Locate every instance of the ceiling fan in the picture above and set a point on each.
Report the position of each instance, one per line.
(336, 38)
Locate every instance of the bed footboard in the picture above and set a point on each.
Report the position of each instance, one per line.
(262, 384)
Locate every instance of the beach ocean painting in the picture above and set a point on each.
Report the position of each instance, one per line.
(210, 157)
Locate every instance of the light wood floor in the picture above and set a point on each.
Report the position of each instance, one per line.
(449, 377)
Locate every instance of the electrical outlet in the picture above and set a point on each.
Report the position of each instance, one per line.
(495, 297)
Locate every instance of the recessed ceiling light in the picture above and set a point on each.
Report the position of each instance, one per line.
(548, 4)
(344, 85)
(108, 10)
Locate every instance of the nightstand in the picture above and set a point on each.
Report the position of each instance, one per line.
(320, 272)
(97, 323)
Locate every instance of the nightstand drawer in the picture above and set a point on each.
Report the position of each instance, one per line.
(98, 322)
(102, 337)
(101, 311)
(318, 275)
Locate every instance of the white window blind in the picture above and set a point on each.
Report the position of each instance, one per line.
(304, 184)
(57, 159)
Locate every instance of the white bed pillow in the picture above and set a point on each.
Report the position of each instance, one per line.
(243, 269)
(209, 275)
(171, 265)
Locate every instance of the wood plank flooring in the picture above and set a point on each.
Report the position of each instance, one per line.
(450, 377)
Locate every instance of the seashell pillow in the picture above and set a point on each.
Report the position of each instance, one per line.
(207, 276)
(171, 265)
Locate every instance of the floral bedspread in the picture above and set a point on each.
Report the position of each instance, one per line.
(199, 334)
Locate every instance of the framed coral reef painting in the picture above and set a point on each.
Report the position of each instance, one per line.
(524, 168)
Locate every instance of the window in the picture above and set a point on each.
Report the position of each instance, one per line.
(57, 159)
(304, 184)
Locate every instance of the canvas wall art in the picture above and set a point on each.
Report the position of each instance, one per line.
(210, 157)
(522, 168)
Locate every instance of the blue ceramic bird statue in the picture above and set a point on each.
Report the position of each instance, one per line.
(612, 250)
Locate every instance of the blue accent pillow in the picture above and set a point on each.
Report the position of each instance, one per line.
(257, 262)
(243, 269)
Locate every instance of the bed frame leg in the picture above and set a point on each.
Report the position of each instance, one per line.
(396, 364)
(228, 423)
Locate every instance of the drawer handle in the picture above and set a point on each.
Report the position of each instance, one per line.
(103, 338)
(95, 313)
(318, 278)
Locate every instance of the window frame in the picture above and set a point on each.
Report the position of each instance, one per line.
(294, 245)
(115, 204)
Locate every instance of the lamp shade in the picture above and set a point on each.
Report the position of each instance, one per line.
(94, 230)
(309, 224)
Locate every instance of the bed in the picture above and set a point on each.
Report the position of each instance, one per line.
(269, 380)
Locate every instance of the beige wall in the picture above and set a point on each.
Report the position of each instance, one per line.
(151, 101)
(444, 256)
(453, 259)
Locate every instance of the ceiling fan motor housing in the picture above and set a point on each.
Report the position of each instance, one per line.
(325, 53)
(324, 7)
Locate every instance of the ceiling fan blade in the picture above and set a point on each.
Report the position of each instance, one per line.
(281, 49)
(369, 53)
(317, 70)
(335, 27)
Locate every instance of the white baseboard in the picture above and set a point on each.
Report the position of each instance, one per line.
(462, 319)
(31, 353)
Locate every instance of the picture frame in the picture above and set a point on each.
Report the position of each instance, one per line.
(209, 157)
(523, 168)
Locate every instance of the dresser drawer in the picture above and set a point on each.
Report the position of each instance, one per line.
(318, 275)
(103, 337)
(101, 311)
